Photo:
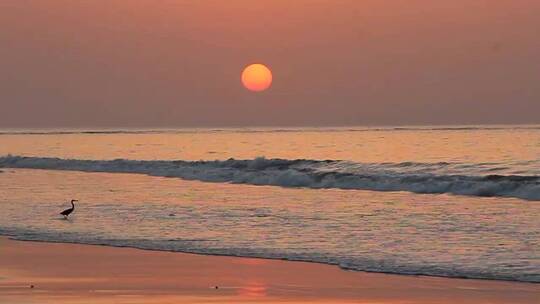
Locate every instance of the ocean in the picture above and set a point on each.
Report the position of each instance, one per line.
(454, 201)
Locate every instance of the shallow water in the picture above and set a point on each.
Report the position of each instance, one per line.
(392, 231)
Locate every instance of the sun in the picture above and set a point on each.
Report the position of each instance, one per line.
(256, 77)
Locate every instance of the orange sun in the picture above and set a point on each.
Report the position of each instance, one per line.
(257, 77)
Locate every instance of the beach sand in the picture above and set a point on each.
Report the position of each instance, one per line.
(72, 273)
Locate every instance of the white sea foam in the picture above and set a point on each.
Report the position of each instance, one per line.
(453, 178)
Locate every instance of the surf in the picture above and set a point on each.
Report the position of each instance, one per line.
(422, 178)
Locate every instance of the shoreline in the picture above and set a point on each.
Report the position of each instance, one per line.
(14, 238)
(78, 273)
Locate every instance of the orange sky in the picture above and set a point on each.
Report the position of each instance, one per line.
(113, 63)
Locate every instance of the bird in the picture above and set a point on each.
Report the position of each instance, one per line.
(67, 212)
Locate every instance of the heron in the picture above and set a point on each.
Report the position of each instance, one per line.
(67, 212)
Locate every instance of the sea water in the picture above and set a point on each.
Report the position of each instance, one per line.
(445, 201)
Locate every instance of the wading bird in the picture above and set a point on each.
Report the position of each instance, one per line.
(67, 212)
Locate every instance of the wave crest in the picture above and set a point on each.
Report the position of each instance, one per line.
(434, 178)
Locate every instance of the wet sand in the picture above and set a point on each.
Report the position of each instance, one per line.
(71, 273)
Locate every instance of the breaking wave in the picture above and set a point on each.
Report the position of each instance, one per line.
(434, 178)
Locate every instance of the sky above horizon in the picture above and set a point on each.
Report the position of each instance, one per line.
(178, 63)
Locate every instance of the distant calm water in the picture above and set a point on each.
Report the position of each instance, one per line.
(448, 201)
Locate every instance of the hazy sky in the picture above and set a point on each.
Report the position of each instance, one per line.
(91, 63)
